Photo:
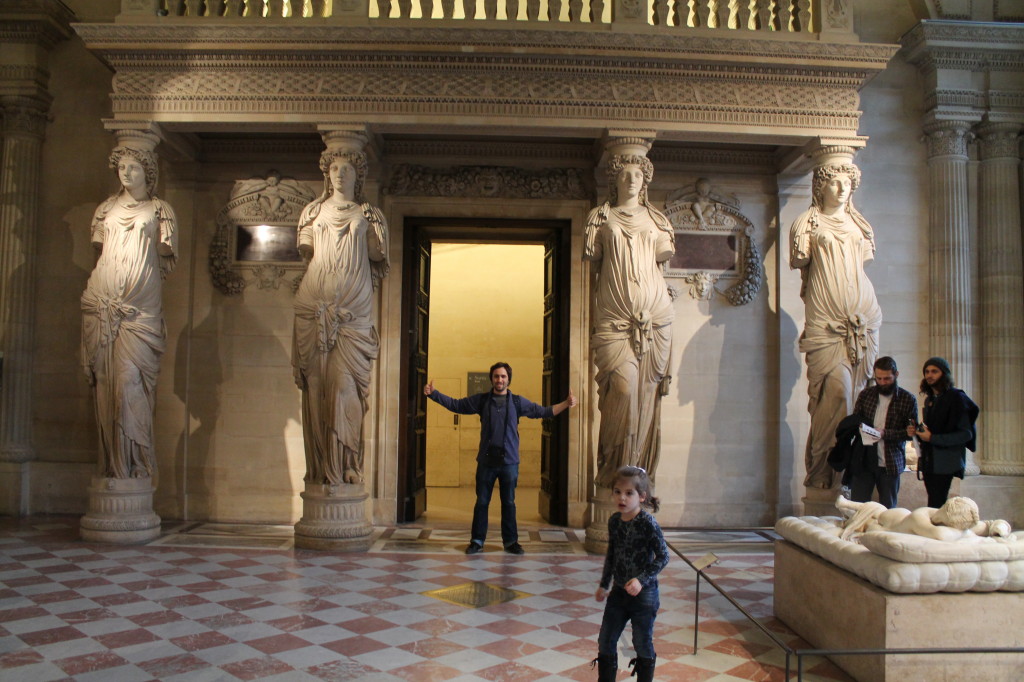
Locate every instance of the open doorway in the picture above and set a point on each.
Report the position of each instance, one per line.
(486, 305)
(502, 296)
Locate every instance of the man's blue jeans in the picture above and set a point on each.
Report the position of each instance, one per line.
(507, 476)
(641, 610)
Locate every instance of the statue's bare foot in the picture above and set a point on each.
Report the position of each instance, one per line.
(352, 476)
(844, 504)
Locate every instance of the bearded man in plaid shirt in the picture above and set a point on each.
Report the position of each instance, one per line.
(889, 409)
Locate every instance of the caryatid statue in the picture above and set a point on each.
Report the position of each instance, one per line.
(123, 333)
(345, 243)
(830, 243)
(629, 240)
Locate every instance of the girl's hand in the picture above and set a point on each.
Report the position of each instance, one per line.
(633, 587)
(600, 594)
(924, 434)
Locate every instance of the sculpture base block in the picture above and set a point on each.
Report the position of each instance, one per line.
(601, 509)
(120, 512)
(820, 501)
(834, 609)
(334, 518)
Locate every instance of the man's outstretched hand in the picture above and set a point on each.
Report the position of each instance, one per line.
(428, 388)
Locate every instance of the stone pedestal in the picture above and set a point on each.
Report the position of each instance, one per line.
(821, 501)
(601, 509)
(834, 609)
(120, 511)
(334, 517)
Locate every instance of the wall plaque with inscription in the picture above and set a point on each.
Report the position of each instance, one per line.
(714, 244)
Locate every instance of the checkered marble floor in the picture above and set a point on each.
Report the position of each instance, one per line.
(223, 602)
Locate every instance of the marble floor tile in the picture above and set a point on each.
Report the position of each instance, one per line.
(210, 602)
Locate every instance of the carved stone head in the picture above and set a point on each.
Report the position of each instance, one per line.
(146, 159)
(823, 174)
(358, 162)
(615, 166)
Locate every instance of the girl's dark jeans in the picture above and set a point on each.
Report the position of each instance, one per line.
(621, 608)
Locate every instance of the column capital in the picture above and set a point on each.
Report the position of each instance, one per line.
(141, 136)
(999, 140)
(948, 137)
(832, 155)
(352, 139)
(26, 115)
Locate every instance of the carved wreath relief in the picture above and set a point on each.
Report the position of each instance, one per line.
(714, 242)
(256, 234)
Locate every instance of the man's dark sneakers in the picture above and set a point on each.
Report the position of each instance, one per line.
(515, 548)
(474, 548)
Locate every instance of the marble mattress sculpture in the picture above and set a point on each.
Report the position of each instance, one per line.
(910, 564)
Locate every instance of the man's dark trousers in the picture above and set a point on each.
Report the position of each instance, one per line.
(507, 477)
(864, 482)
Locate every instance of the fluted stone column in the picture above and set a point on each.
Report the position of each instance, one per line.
(24, 121)
(951, 323)
(1001, 280)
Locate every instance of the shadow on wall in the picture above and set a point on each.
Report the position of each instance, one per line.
(739, 455)
(233, 373)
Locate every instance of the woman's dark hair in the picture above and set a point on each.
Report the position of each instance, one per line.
(508, 370)
(641, 483)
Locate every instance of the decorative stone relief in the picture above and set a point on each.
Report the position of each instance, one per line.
(256, 234)
(714, 242)
(487, 182)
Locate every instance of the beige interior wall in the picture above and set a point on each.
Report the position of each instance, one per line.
(229, 439)
(486, 305)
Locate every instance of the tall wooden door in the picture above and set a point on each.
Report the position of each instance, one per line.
(554, 456)
(412, 465)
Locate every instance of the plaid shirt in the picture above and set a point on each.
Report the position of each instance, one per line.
(902, 409)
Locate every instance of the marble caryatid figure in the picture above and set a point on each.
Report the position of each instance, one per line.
(628, 240)
(957, 519)
(345, 242)
(123, 334)
(830, 243)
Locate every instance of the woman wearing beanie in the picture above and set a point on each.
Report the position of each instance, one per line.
(948, 430)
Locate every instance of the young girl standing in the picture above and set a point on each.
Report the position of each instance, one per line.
(636, 554)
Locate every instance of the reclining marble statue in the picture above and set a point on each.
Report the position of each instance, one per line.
(123, 333)
(345, 241)
(628, 240)
(829, 244)
(958, 519)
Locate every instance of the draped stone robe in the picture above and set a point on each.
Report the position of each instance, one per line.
(335, 341)
(840, 337)
(632, 333)
(123, 333)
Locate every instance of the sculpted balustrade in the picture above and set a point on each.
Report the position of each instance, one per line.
(785, 16)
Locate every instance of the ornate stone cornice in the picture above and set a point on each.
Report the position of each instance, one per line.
(330, 38)
(965, 45)
(46, 22)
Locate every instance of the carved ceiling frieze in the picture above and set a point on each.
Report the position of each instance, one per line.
(488, 182)
(398, 75)
(490, 149)
(392, 93)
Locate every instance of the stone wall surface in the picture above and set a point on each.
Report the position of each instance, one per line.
(229, 437)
